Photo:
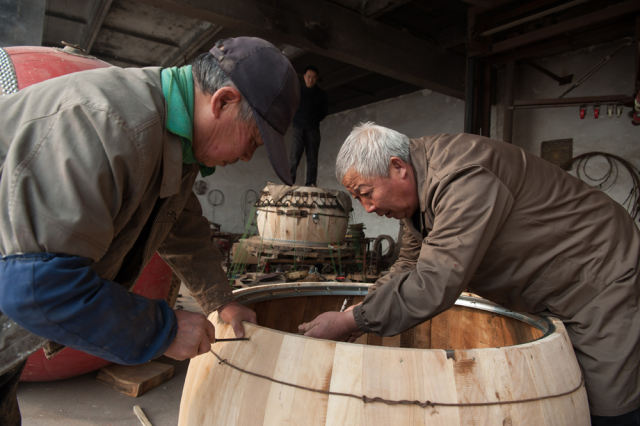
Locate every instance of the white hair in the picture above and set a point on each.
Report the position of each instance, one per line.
(368, 150)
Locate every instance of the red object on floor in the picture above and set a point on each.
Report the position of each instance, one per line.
(33, 64)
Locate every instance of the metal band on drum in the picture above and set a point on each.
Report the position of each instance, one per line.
(265, 292)
(301, 213)
(300, 199)
(297, 244)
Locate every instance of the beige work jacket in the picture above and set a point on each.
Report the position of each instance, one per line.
(520, 231)
(88, 169)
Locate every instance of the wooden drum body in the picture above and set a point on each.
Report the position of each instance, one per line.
(302, 215)
(474, 364)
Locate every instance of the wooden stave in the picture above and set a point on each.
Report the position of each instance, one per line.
(551, 354)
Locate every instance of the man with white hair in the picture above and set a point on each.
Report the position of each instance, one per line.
(486, 216)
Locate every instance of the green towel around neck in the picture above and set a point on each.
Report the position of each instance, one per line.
(177, 87)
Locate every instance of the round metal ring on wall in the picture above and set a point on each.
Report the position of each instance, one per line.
(8, 80)
(215, 197)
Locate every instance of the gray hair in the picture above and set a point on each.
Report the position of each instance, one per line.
(368, 149)
(209, 77)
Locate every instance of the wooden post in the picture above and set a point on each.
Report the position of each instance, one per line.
(507, 125)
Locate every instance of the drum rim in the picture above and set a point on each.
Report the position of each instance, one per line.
(265, 292)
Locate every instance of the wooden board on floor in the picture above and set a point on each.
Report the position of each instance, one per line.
(134, 380)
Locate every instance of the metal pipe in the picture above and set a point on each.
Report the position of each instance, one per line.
(565, 102)
(595, 68)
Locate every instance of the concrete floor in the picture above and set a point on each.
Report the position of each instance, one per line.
(83, 400)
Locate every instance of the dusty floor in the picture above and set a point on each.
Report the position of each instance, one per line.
(83, 400)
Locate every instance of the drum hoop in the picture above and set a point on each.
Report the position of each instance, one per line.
(306, 243)
(280, 212)
(320, 200)
(266, 292)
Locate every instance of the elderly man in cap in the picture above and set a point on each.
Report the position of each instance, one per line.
(484, 215)
(97, 174)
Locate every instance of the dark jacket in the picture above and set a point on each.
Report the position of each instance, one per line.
(312, 109)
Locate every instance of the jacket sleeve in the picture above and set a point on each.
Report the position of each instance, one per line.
(61, 298)
(407, 256)
(469, 208)
(189, 251)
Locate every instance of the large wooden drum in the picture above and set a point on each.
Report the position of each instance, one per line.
(474, 364)
(294, 215)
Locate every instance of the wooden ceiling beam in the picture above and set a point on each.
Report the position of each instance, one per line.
(566, 43)
(376, 8)
(185, 53)
(329, 30)
(343, 76)
(577, 23)
(100, 11)
(494, 18)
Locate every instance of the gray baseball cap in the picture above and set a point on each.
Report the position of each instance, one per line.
(269, 83)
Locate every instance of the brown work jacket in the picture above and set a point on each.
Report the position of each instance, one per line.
(522, 232)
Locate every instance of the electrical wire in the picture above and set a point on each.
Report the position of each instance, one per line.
(249, 198)
(610, 177)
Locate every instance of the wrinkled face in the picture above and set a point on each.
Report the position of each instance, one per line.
(229, 140)
(394, 196)
(310, 78)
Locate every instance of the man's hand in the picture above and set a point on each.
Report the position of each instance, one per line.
(194, 337)
(234, 313)
(330, 325)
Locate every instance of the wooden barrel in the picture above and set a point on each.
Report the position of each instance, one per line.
(474, 364)
(302, 215)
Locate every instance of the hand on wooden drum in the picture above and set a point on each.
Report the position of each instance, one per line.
(330, 325)
(234, 313)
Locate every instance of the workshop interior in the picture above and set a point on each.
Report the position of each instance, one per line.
(559, 79)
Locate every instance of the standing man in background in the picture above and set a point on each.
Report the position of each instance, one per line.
(306, 126)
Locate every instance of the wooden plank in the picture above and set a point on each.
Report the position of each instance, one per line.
(343, 410)
(329, 30)
(287, 405)
(602, 15)
(134, 380)
(98, 15)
